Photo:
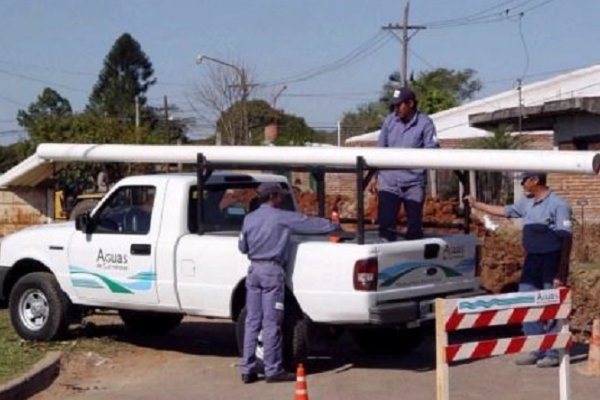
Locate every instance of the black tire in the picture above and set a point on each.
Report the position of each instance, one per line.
(82, 207)
(149, 322)
(388, 340)
(295, 339)
(38, 307)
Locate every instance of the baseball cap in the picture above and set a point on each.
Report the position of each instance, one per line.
(531, 174)
(267, 188)
(403, 94)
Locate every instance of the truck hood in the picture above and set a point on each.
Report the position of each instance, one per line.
(57, 234)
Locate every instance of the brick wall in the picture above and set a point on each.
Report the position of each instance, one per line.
(20, 208)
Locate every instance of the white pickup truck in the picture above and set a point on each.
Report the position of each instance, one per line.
(140, 251)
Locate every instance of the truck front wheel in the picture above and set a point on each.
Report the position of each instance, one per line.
(38, 307)
(150, 322)
(295, 339)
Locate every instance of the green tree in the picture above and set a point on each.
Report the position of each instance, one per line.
(49, 104)
(365, 119)
(9, 157)
(127, 73)
(46, 120)
(292, 130)
(436, 90)
(439, 89)
(496, 187)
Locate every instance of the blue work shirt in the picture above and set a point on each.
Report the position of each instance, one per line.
(545, 222)
(420, 133)
(266, 231)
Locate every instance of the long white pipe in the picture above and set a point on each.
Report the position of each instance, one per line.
(463, 159)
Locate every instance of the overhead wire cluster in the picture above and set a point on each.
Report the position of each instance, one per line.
(364, 50)
(501, 11)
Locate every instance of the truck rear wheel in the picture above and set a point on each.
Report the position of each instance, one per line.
(295, 339)
(38, 307)
(149, 322)
(388, 340)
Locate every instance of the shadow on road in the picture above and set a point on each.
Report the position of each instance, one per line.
(197, 336)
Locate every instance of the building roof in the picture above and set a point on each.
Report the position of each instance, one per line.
(454, 122)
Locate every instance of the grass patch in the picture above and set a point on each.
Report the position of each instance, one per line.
(18, 355)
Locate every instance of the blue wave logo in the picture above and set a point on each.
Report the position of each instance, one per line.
(141, 281)
(495, 302)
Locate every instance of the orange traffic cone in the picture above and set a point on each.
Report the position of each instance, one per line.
(301, 389)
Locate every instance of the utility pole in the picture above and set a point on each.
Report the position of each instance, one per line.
(137, 119)
(404, 39)
(167, 127)
(519, 89)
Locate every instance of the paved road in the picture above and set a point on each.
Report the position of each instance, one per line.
(198, 360)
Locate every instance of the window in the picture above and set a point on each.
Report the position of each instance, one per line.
(127, 211)
(226, 205)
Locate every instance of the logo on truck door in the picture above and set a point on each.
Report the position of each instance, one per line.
(112, 261)
(453, 252)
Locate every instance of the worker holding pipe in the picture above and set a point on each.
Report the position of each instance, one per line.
(547, 239)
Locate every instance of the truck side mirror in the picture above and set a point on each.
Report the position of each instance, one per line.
(83, 223)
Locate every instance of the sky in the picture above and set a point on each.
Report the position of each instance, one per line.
(331, 55)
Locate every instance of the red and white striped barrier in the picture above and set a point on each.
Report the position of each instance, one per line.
(514, 308)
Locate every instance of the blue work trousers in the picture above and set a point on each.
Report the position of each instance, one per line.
(388, 206)
(539, 271)
(265, 288)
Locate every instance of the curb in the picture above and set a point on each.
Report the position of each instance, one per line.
(38, 378)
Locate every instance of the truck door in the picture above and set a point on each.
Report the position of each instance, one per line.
(116, 261)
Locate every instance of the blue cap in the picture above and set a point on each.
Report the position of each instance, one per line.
(531, 174)
(403, 94)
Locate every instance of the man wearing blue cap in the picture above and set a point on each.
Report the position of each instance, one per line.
(405, 127)
(265, 238)
(547, 239)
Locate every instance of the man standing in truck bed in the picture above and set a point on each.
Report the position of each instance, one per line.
(405, 127)
(265, 238)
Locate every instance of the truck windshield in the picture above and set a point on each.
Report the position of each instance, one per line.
(226, 205)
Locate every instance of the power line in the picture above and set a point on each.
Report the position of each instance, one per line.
(32, 79)
(12, 101)
(492, 14)
(362, 51)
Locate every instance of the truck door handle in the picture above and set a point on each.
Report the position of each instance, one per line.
(140, 249)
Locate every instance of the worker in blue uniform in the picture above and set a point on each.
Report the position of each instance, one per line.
(547, 239)
(265, 238)
(405, 127)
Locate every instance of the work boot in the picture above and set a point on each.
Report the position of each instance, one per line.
(547, 362)
(281, 377)
(527, 359)
(249, 378)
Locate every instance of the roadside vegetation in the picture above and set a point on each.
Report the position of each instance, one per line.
(18, 355)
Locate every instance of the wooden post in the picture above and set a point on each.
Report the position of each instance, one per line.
(441, 341)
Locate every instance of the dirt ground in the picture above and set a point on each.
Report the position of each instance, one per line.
(198, 360)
